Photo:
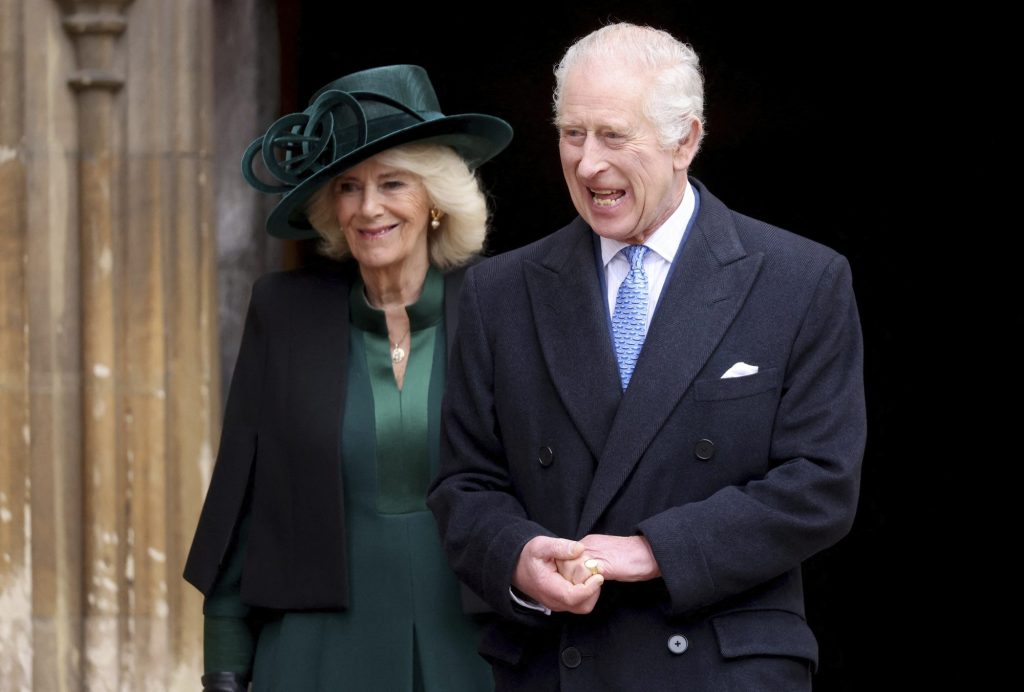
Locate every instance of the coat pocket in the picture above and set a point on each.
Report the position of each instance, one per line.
(765, 633)
(737, 387)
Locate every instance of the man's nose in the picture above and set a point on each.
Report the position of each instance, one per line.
(593, 160)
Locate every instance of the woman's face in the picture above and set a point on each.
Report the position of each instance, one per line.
(383, 212)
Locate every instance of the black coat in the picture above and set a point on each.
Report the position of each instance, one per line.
(733, 481)
(280, 442)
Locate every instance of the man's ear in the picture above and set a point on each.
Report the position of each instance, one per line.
(687, 148)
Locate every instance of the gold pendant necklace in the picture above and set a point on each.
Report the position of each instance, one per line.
(398, 353)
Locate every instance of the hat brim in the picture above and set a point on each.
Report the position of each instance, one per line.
(476, 137)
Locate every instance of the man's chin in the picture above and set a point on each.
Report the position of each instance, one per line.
(610, 231)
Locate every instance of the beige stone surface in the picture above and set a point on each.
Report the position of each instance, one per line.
(108, 343)
(52, 288)
(15, 431)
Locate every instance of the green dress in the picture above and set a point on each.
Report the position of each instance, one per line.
(405, 629)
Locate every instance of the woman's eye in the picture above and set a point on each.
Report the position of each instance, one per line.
(393, 184)
(343, 187)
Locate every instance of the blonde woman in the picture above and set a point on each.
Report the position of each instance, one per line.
(321, 566)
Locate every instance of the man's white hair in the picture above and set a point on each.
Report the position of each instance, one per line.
(676, 95)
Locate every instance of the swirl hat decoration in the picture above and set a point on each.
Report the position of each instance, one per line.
(350, 120)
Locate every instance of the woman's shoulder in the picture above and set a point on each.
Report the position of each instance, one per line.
(288, 283)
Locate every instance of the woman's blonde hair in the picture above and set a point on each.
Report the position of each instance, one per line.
(452, 188)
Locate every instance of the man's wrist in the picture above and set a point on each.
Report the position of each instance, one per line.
(525, 601)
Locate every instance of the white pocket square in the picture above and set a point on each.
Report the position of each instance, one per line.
(741, 369)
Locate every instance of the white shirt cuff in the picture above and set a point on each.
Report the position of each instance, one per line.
(529, 603)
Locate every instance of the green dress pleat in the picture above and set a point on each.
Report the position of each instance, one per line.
(405, 630)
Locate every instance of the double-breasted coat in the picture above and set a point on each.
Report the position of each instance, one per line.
(734, 482)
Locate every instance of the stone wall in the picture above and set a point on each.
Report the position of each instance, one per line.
(109, 361)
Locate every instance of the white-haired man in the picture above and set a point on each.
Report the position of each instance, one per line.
(654, 415)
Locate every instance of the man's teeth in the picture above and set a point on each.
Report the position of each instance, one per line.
(606, 198)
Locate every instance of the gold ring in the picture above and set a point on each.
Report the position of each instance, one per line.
(593, 565)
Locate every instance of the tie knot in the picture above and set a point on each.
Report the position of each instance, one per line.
(635, 255)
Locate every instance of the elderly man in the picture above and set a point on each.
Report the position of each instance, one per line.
(654, 415)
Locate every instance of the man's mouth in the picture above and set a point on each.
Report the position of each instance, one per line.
(606, 197)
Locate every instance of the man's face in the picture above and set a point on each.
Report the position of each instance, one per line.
(621, 181)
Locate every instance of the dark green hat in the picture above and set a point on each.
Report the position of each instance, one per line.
(350, 120)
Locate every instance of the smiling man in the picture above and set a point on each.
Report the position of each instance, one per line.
(654, 415)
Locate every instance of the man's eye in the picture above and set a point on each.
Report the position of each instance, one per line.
(572, 133)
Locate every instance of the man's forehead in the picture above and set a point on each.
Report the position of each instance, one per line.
(594, 106)
(596, 120)
(614, 84)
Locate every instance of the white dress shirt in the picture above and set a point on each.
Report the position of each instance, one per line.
(663, 243)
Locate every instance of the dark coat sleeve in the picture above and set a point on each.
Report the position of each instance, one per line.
(230, 479)
(483, 524)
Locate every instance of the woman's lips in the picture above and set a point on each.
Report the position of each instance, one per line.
(378, 231)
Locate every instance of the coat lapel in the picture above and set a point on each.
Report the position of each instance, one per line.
(707, 289)
(565, 293)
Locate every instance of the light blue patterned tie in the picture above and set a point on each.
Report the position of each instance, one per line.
(629, 321)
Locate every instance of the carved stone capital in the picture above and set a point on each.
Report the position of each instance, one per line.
(94, 26)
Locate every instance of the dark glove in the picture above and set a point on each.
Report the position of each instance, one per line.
(225, 682)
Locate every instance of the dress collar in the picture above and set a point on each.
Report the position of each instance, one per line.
(425, 312)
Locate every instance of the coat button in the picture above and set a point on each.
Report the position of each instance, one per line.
(571, 657)
(704, 450)
(677, 644)
(547, 455)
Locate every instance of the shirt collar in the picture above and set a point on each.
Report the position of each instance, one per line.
(666, 238)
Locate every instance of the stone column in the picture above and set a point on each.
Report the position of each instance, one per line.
(149, 308)
(94, 28)
(40, 393)
(15, 517)
(53, 296)
(169, 370)
(109, 390)
(40, 535)
(175, 380)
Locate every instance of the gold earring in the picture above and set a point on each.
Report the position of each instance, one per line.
(435, 218)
